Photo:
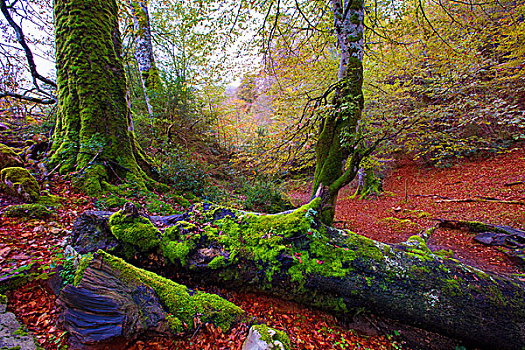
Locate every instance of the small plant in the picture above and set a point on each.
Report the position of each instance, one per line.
(68, 271)
(180, 169)
(265, 196)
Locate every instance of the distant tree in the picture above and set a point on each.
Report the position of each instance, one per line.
(149, 73)
(247, 90)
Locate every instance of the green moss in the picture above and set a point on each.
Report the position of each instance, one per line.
(273, 337)
(160, 208)
(8, 157)
(399, 224)
(216, 309)
(34, 211)
(476, 226)
(20, 183)
(452, 287)
(182, 201)
(82, 266)
(444, 253)
(136, 231)
(22, 332)
(50, 200)
(183, 308)
(217, 262)
(266, 239)
(175, 324)
(365, 247)
(417, 243)
(178, 240)
(177, 251)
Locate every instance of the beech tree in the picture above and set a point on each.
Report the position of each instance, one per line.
(94, 129)
(337, 153)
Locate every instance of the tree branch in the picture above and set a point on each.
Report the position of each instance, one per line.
(29, 54)
(27, 98)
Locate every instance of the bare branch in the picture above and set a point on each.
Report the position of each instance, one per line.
(27, 98)
(29, 54)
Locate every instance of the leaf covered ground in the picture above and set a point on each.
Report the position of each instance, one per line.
(415, 198)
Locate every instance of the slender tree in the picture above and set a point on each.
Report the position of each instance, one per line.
(94, 129)
(149, 74)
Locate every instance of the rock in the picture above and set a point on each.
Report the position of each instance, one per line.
(262, 337)
(34, 211)
(9, 158)
(18, 182)
(12, 333)
(491, 238)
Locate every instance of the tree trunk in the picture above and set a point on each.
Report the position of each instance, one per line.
(294, 256)
(338, 138)
(149, 74)
(94, 129)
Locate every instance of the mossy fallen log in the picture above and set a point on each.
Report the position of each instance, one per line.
(295, 257)
(112, 302)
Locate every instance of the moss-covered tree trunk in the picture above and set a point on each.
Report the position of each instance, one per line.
(94, 129)
(149, 74)
(337, 155)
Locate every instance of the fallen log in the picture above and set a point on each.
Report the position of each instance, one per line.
(113, 303)
(293, 256)
(487, 200)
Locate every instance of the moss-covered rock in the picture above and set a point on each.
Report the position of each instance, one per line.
(134, 230)
(9, 158)
(20, 183)
(263, 337)
(33, 211)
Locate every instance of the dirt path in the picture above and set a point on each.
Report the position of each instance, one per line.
(416, 197)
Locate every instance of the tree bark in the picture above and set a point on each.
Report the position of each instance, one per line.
(294, 256)
(94, 129)
(339, 129)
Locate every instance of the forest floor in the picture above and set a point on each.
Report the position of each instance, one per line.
(415, 198)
